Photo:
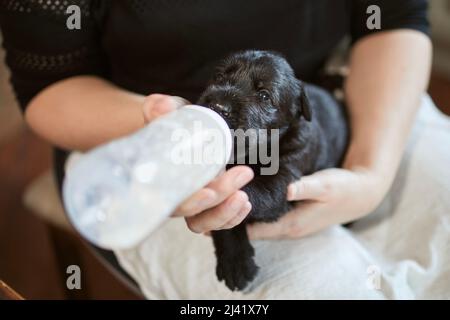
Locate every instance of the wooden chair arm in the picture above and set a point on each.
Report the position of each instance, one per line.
(6, 293)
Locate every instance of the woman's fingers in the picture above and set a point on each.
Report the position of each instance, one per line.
(236, 220)
(328, 197)
(239, 217)
(235, 208)
(312, 187)
(156, 105)
(199, 201)
(216, 191)
(297, 223)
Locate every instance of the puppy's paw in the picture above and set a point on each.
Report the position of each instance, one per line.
(237, 273)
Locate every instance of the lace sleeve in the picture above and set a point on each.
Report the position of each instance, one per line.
(41, 49)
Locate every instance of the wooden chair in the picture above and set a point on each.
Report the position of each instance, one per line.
(6, 293)
(41, 197)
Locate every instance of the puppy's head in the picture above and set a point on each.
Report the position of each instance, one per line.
(256, 90)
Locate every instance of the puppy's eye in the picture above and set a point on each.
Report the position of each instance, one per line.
(264, 95)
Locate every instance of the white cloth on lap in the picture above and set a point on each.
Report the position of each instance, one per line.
(400, 251)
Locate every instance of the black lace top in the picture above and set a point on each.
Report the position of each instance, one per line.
(170, 46)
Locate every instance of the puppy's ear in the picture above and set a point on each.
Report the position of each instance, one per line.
(304, 107)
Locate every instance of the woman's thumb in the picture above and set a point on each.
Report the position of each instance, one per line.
(156, 105)
(307, 188)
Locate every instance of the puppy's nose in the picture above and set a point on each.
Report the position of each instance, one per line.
(224, 110)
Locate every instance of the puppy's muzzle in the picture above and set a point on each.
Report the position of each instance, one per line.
(219, 99)
(224, 111)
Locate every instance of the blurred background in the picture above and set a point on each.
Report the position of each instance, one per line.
(36, 243)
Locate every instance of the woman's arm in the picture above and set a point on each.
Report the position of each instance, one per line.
(389, 72)
(81, 112)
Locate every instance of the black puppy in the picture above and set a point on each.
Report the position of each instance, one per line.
(258, 90)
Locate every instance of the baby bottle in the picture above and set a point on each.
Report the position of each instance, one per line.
(118, 193)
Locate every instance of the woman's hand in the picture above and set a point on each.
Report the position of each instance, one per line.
(219, 205)
(328, 197)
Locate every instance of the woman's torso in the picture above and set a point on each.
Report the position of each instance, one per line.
(172, 46)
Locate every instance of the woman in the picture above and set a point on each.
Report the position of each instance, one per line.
(79, 88)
